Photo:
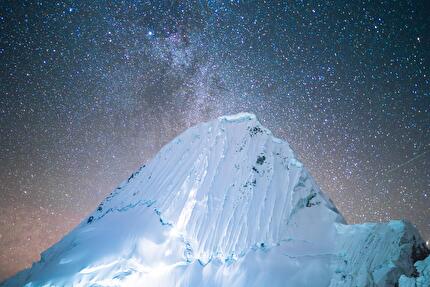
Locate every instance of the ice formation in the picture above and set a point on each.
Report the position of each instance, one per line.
(227, 204)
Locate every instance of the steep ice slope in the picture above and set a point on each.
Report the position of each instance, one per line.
(376, 254)
(421, 278)
(224, 204)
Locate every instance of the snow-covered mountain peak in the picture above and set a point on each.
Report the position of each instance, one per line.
(226, 186)
(227, 204)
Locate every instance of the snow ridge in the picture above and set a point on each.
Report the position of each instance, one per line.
(225, 186)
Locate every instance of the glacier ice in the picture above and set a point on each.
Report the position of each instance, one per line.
(421, 278)
(227, 204)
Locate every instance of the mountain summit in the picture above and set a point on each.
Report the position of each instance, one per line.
(227, 204)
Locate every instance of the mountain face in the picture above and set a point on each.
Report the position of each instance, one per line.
(228, 204)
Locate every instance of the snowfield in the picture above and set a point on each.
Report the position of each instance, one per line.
(228, 204)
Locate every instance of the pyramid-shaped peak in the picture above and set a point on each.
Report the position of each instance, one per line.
(225, 204)
(225, 186)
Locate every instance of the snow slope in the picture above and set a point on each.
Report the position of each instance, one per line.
(225, 204)
(422, 275)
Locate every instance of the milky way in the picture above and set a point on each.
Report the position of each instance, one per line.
(90, 91)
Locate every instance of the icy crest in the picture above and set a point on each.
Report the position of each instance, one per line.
(239, 117)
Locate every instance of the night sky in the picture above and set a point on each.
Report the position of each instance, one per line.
(90, 90)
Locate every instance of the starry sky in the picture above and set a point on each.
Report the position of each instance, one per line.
(90, 90)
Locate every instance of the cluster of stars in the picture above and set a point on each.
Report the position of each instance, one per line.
(92, 90)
